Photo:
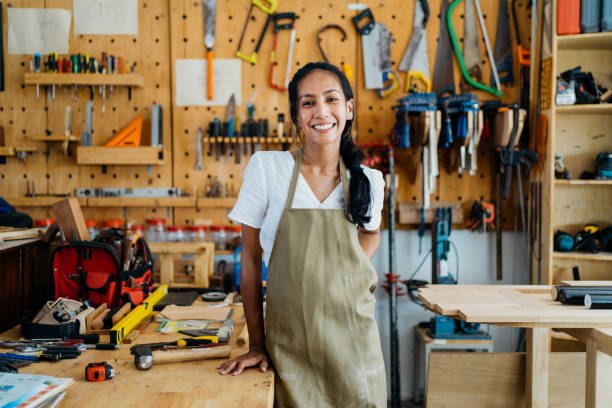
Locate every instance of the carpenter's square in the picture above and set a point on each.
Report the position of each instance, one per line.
(199, 135)
(86, 137)
(416, 59)
(444, 79)
(209, 8)
(471, 47)
(503, 48)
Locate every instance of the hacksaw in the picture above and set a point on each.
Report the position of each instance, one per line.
(415, 60)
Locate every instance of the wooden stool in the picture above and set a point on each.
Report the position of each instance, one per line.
(203, 253)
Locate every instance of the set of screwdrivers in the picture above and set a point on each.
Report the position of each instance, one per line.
(81, 64)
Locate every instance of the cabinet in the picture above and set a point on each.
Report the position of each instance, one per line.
(579, 133)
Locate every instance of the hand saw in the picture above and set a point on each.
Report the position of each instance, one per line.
(444, 79)
(471, 47)
(415, 60)
(503, 48)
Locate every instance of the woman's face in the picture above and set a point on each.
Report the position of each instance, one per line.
(322, 108)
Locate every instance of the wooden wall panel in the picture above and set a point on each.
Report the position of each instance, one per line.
(169, 30)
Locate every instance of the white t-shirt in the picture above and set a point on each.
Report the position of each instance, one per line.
(265, 189)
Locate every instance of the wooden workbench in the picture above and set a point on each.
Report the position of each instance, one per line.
(185, 384)
(531, 307)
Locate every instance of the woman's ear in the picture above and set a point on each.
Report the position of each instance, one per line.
(349, 109)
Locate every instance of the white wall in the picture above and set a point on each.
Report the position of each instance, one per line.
(476, 266)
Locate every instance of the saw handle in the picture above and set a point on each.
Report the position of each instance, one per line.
(209, 74)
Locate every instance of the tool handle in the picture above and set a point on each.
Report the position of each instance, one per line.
(209, 74)
(243, 336)
(198, 353)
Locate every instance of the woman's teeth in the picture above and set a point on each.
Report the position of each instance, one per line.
(323, 127)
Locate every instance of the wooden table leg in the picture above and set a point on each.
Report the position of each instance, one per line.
(536, 368)
(598, 364)
(166, 273)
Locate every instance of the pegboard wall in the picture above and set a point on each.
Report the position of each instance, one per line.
(170, 30)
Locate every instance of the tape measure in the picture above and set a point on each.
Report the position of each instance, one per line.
(99, 371)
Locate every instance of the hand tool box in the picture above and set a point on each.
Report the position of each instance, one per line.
(93, 270)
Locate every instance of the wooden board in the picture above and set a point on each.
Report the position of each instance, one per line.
(585, 283)
(498, 380)
(119, 155)
(509, 306)
(185, 384)
(15, 234)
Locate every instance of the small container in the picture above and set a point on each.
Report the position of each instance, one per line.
(112, 224)
(234, 237)
(175, 233)
(138, 228)
(44, 223)
(198, 233)
(219, 237)
(92, 228)
(155, 231)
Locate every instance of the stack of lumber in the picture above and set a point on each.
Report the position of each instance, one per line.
(591, 294)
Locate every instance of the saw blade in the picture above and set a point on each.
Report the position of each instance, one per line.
(416, 56)
(372, 59)
(471, 47)
(210, 11)
(444, 79)
(503, 48)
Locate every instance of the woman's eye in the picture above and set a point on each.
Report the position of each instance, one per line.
(332, 99)
(307, 103)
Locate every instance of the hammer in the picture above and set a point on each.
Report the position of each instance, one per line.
(146, 354)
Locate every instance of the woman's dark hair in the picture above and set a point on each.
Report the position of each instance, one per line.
(359, 186)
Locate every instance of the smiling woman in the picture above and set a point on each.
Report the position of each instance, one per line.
(314, 215)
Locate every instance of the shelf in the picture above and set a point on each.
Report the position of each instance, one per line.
(188, 202)
(583, 182)
(208, 202)
(39, 201)
(584, 109)
(7, 151)
(50, 78)
(71, 138)
(143, 155)
(241, 139)
(592, 41)
(602, 256)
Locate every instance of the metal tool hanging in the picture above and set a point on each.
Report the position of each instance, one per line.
(471, 47)
(376, 42)
(503, 47)
(453, 36)
(444, 79)
(282, 21)
(269, 10)
(348, 71)
(415, 61)
(209, 8)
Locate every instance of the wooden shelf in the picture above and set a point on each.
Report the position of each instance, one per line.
(50, 78)
(39, 201)
(188, 202)
(602, 256)
(208, 202)
(583, 182)
(7, 151)
(234, 140)
(604, 108)
(592, 41)
(143, 155)
(58, 138)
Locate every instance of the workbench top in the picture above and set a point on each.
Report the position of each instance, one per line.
(185, 384)
(510, 305)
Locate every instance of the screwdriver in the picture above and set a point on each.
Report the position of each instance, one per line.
(217, 131)
(119, 66)
(280, 129)
(37, 69)
(54, 69)
(93, 68)
(112, 66)
(104, 71)
(129, 70)
(75, 69)
(244, 130)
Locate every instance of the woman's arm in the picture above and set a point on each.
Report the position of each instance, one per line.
(369, 241)
(252, 300)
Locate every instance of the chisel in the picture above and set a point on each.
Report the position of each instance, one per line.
(210, 9)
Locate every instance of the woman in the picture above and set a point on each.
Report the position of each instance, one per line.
(317, 233)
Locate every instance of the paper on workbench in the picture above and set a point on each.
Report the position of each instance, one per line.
(38, 30)
(191, 87)
(105, 17)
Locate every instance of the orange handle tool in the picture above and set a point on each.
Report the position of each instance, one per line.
(209, 74)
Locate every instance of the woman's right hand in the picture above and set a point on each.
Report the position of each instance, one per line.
(256, 356)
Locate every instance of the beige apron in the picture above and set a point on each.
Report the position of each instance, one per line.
(320, 329)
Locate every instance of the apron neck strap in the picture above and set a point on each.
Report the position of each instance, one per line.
(296, 174)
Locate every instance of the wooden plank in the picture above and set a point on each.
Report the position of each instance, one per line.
(55, 138)
(39, 201)
(46, 78)
(21, 234)
(484, 380)
(70, 219)
(180, 247)
(141, 202)
(602, 337)
(598, 393)
(410, 213)
(208, 202)
(603, 109)
(590, 41)
(536, 368)
(583, 182)
(585, 283)
(7, 151)
(119, 155)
